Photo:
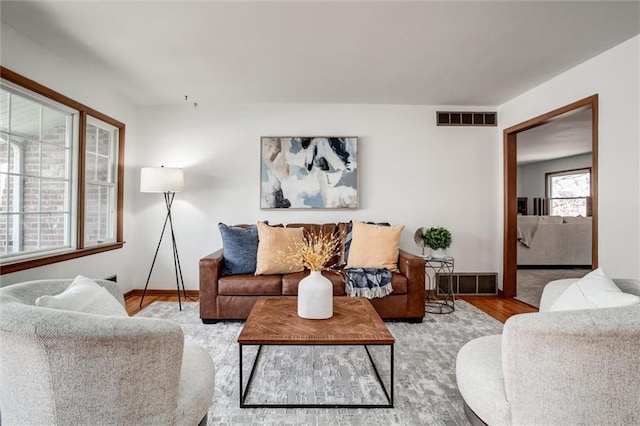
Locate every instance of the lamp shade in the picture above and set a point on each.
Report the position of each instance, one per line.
(161, 179)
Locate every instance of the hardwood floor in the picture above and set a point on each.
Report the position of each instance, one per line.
(495, 306)
(132, 299)
(498, 307)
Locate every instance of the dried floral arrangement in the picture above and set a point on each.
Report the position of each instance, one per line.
(313, 251)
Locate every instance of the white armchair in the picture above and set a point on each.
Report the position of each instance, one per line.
(64, 367)
(556, 368)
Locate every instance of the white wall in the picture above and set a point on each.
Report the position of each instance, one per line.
(411, 172)
(29, 59)
(532, 179)
(613, 75)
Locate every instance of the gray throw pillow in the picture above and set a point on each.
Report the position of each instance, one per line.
(240, 249)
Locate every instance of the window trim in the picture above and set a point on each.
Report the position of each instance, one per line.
(84, 112)
(97, 122)
(547, 184)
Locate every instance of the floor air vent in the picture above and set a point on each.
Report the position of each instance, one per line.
(466, 118)
(469, 283)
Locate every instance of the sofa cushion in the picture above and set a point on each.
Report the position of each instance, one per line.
(341, 231)
(576, 219)
(290, 282)
(323, 229)
(399, 283)
(594, 290)
(374, 246)
(273, 243)
(240, 248)
(550, 219)
(480, 379)
(247, 284)
(84, 295)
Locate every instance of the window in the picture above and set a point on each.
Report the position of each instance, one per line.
(60, 177)
(569, 192)
(100, 182)
(35, 175)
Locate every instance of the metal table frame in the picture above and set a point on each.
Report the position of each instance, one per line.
(439, 266)
(245, 390)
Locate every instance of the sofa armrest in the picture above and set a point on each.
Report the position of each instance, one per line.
(412, 267)
(101, 364)
(114, 289)
(573, 367)
(552, 291)
(210, 272)
(212, 264)
(630, 286)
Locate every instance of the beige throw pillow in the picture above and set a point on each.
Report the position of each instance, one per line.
(272, 240)
(374, 246)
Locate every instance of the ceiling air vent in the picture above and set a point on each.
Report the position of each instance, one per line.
(466, 118)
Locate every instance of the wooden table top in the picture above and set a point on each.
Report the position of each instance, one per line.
(275, 320)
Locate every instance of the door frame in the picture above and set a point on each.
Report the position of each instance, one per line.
(510, 232)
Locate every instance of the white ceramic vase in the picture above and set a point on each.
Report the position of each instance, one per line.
(438, 253)
(315, 297)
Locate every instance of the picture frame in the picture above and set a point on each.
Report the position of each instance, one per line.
(301, 172)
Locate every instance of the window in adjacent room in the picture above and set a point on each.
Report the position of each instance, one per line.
(60, 177)
(569, 192)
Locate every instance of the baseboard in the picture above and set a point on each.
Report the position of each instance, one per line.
(160, 293)
(554, 267)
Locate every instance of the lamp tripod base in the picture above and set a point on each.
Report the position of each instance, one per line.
(168, 199)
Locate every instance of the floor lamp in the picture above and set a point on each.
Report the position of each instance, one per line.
(168, 181)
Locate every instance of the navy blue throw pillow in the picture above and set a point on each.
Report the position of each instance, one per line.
(240, 249)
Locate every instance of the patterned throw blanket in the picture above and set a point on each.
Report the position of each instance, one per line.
(365, 282)
(368, 282)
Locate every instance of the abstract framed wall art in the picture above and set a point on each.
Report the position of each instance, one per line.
(309, 173)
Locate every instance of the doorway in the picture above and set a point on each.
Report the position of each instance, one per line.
(511, 202)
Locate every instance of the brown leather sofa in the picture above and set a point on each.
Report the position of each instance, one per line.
(232, 297)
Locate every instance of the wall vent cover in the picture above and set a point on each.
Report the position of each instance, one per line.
(469, 283)
(466, 118)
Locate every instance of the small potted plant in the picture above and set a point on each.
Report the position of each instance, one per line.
(438, 239)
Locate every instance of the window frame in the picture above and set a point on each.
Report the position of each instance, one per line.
(547, 188)
(101, 125)
(19, 175)
(84, 111)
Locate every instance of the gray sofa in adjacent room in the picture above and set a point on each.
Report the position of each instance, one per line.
(556, 368)
(554, 241)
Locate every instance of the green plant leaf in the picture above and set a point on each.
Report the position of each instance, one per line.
(438, 238)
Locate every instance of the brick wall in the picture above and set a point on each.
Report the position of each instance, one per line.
(40, 194)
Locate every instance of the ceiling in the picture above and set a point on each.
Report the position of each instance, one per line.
(564, 136)
(379, 52)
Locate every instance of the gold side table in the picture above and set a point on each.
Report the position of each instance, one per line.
(437, 301)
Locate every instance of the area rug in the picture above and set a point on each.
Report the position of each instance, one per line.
(531, 282)
(425, 383)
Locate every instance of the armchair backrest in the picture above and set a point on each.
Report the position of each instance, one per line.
(574, 367)
(64, 367)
